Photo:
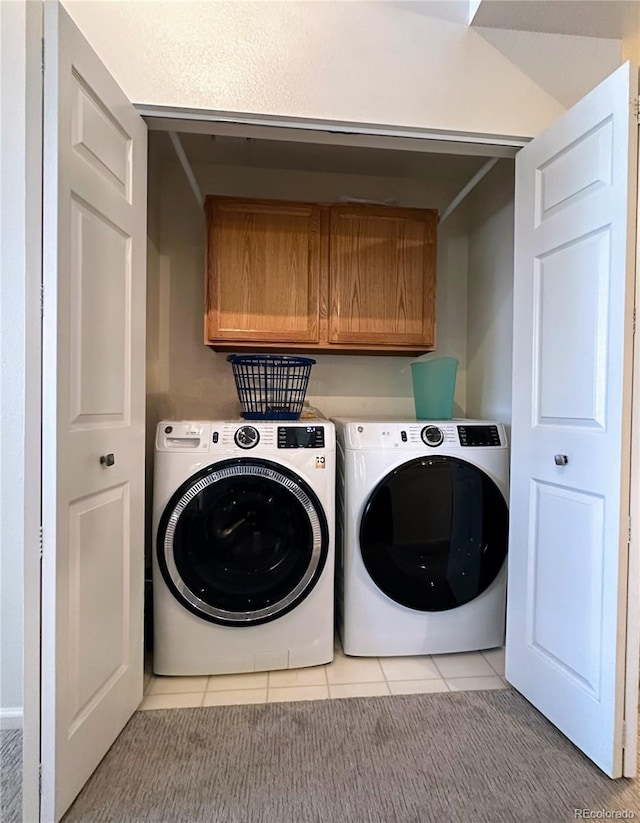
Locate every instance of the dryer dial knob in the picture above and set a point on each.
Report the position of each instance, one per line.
(432, 436)
(246, 437)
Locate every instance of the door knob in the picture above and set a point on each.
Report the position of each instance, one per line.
(561, 459)
(107, 459)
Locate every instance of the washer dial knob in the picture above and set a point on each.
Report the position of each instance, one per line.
(432, 436)
(246, 437)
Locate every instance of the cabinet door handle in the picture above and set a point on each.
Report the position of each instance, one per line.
(107, 459)
(561, 459)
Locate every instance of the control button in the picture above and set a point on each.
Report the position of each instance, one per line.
(432, 436)
(246, 437)
(168, 429)
(403, 436)
(215, 437)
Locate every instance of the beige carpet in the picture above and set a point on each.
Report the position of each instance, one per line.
(464, 757)
(11, 775)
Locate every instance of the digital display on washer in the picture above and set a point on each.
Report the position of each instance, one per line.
(479, 435)
(300, 437)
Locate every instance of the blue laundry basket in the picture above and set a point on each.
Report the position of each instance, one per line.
(271, 386)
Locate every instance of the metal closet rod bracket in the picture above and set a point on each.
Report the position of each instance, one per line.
(477, 177)
(184, 162)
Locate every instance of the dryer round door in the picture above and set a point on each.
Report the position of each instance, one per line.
(242, 542)
(433, 534)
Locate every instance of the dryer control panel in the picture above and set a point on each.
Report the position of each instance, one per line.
(479, 435)
(421, 434)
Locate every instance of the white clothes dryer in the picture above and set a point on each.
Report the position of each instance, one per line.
(243, 562)
(422, 526)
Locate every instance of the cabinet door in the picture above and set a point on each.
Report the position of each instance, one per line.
(263, 261)
(382, 276)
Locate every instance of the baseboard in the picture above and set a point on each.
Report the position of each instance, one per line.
(11, 718)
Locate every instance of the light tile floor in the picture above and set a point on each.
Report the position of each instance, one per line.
(344, 677)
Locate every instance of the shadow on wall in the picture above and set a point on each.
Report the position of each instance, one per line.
(338, 385)
(490, 296)
(372, 387)
(361, 386)
(566, 67)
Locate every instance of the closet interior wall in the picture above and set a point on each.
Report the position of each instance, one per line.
(490, 296)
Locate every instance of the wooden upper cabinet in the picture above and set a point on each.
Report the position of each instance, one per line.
(309, 277)
(263, 271)
(382, 276)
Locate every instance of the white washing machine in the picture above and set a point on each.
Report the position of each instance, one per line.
(422, 525)
(243, 562)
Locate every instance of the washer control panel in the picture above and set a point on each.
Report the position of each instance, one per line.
(228, 436)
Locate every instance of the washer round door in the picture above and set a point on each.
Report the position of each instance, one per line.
(242, 542)
(433, 535)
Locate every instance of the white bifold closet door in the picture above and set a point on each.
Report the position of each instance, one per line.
(94, 261)
(570, 598)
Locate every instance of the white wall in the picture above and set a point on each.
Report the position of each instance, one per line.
(20, 270)
(374, 62)
(490, 296)
(190, 381)
(12, 358)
